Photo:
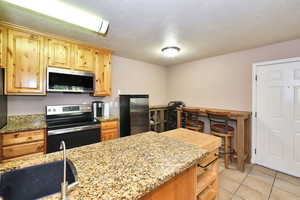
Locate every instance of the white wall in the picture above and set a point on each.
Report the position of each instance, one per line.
(223, 81)
(220, 82)
(128, 76)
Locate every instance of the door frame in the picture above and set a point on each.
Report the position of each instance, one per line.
(255, 67)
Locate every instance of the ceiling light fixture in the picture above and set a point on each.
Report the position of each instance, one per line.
(60, 10)
(170, 51)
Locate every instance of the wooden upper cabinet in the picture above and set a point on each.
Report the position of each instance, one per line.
(59, 53)
(3, 45)
(25, 63)
(83, 58)
(102, 73)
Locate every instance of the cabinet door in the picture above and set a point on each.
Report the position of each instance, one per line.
(59, 53)
(102, 73)
(109, 134)
(84, 58)
(3, 45)
(181, 187)
(25, 64)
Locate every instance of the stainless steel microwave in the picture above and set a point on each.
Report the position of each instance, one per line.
(73, 81)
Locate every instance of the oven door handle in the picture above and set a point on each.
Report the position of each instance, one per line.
(74, 129)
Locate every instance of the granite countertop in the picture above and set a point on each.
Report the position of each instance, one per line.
(34, 122)
(125, 168)
(108, 118)
(24, 123)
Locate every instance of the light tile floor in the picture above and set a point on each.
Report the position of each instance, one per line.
(257, 183)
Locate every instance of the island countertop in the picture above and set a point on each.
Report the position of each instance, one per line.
(125, 168)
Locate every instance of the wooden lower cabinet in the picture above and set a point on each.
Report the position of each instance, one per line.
(207, 169)
(207, 181)
(16, 145)
(109, 130)
(182, 187)
(22, 137)
(22, 149)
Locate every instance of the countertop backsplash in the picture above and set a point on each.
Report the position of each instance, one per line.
(27, 105)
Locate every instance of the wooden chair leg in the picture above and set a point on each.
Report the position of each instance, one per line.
(226, 152)
(232, 148)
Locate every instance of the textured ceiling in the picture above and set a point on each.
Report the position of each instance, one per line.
(201, 28)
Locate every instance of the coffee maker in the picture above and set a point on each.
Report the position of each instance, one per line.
(98, 108)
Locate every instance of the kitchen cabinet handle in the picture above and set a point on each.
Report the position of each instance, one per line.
(206, 167)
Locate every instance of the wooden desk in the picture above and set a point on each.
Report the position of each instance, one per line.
(242, 136)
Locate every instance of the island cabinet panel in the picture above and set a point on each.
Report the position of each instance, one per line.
(109, 130)
(102, 73)
(83, 58)
(208, 168)
(59, 53)
(19, 144)
(3, 45)
(25, 64)
(181, 187)
(207, 178)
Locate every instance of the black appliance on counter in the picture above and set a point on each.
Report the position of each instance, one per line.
(98, 108)
(172, 114)
(134, 114)
(3, 101)
(73, 124)
(66, 80)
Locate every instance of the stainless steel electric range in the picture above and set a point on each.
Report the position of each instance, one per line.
(73, 124)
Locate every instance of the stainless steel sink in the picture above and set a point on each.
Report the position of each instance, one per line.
(36, 181)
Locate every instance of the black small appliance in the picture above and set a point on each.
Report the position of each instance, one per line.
(172, 114)
(98, 108)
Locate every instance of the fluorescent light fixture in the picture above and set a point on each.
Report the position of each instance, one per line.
(60, 10)
(170, 51)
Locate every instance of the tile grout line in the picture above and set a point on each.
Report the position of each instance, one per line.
(272, 185)
(242, 183)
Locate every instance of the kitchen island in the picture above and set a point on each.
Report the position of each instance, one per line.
(125, 168)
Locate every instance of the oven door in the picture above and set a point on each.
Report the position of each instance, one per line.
(73, 137)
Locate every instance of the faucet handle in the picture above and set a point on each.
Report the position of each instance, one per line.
(62, 145)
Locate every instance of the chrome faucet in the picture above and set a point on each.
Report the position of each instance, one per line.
(64, 184)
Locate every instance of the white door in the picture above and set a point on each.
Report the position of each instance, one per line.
(278, 117)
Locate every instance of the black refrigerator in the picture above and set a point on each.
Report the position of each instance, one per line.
(3, 101)
(134, 114)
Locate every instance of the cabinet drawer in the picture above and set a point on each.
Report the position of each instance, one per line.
(109, 134)
(22, 149)
(109, 131)
(108, 137)
(109, 125)
(209, 158)
(208, 194)
(206, 176)
(22, 137)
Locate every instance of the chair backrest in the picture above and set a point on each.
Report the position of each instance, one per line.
(193, 115)
(218, 118)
